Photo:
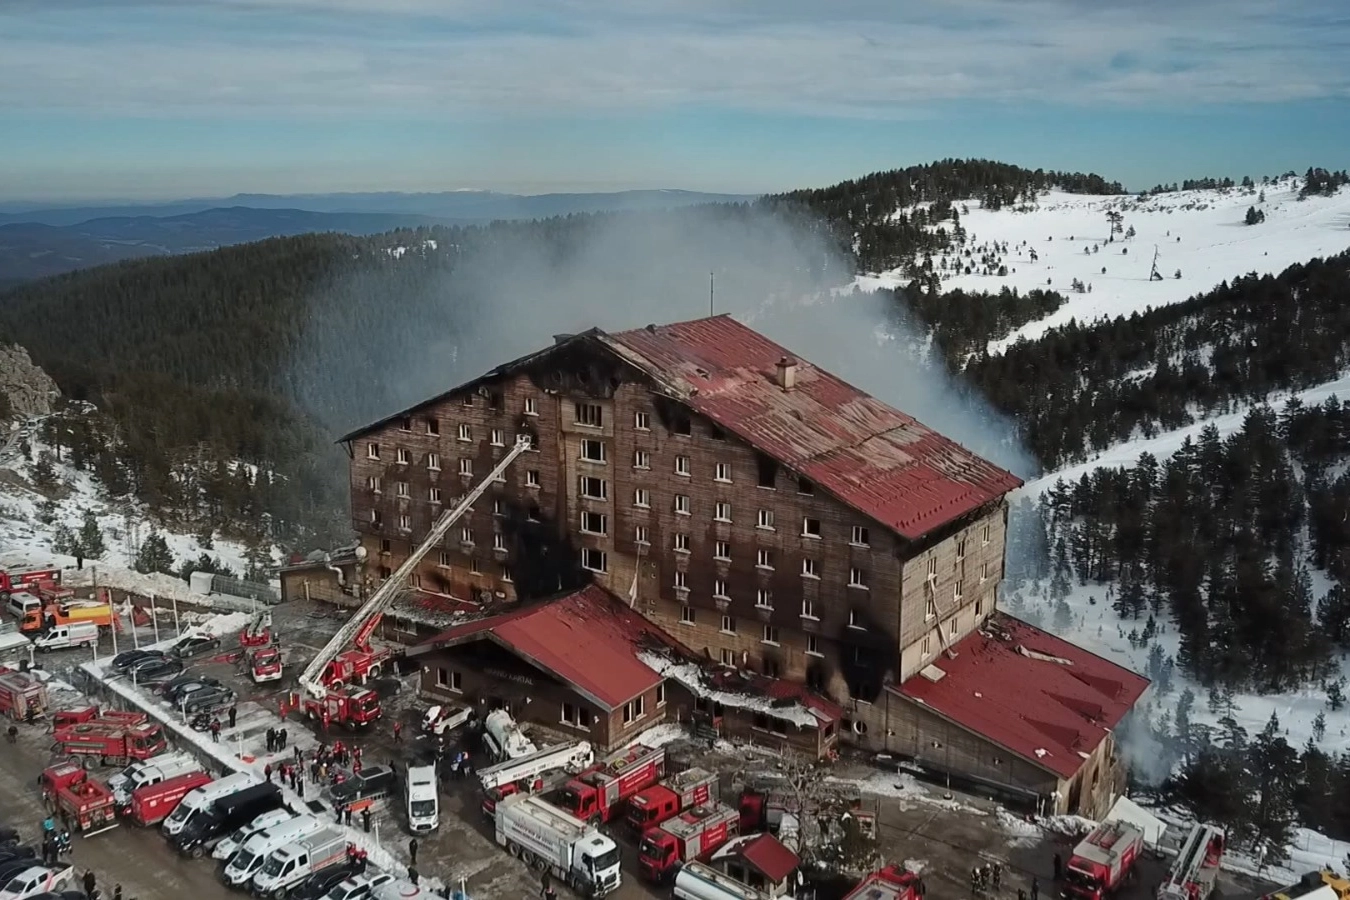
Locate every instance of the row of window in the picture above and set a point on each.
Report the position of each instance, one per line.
(403, 456)
(403, 490)
(810, 611)
(432, 425)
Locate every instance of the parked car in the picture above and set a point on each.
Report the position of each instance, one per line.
(357, 887)
(193, 645)
(321, 882)
(12, 867)
(152, 669)
(178, 688)
(206, 698)
(124, 660)
(372, 783)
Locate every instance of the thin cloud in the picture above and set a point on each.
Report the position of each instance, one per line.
(864, 59)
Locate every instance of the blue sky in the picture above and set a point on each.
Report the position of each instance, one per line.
(154, 99)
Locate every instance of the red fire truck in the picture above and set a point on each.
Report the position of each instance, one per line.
(88, 802)
(691, 835)
(1196, 870)
(673, 794)
(22, 696)
(113, 739)
(264, 664)
(890, 883)
(1103, 861)
(152, 803)
(598, 793)
(26, 579)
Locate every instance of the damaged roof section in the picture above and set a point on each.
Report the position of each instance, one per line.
(587, 639)
(872, 457)
(1026, 690)
(786, 700)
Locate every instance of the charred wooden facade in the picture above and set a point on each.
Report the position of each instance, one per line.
(630, 484)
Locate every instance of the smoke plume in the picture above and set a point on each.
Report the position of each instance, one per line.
(414, 325)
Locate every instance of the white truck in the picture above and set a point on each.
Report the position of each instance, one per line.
(249, 858)
(204, 796)
(226, 846)
(695, 881)
(503, 738)
(547, 838)
(424, 813)
(12, 642)
(37, 880)
(143, 772)
(571, 757)
(295, 862)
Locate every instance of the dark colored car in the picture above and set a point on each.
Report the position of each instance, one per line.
(184, 684)
(12, 867)
(321, 882)
(195, 645)
(152, 669)
(206, 698)
(125, 660)
(373, 782)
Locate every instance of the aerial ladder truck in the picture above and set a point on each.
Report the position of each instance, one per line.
(1196, 871)
(331, 688)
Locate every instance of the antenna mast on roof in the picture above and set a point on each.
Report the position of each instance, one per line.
(711, 309)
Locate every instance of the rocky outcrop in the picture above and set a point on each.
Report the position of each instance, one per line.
(28, 390)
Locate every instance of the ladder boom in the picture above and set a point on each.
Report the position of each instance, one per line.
(311, 678)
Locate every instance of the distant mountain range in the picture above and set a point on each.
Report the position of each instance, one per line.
(35, 243)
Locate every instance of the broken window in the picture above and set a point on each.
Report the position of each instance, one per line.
(805, 487)
(594, 560)
(594, 488)
(810, 528)
(593, 451)
(594, 523)
(433, 426)
(589, 414)
(405, 423)
(681, 425)
(768, 471)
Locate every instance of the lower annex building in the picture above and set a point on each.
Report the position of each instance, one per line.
(772, 521)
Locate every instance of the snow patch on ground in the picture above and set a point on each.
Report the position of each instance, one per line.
(1215, 246)
(660, 735)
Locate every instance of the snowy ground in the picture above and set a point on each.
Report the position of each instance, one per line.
(1215, 246)
(27, 541)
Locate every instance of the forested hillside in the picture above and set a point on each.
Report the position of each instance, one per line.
(887, 218)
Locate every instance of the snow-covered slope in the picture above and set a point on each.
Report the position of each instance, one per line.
(25, 539)
(1201, 233)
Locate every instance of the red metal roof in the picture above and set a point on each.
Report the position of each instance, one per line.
(1039, 696)
(871, 456)
(588, 639)
(763, 852)
(739, 681)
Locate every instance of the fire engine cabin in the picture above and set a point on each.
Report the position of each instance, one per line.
(110, 741)
(22, 697)
(1103, 860)
(354, 707)
(890, 883)
(88, 802)
(1195, 872)
(671, 795)
(691, 835)
(264, 664)
(597, 794)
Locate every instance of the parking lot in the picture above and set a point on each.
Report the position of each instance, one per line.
(924, 827)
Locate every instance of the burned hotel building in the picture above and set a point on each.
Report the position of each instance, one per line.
(770, 518)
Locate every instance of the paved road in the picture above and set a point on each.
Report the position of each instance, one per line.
(139, 859)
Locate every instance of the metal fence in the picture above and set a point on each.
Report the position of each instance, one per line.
(248, 590)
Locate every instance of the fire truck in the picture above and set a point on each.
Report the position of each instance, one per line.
(527, 774)
(328, 686)
(673, 794)
(692, 835)
(264, 664)
(1103, 861)
(598, 793)
(890, 883)
(258, 632)
(113, 739)
(26, 579)
(1195, 871)
(88, 802)
(22, 697)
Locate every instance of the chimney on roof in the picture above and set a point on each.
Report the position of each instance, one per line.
(561, 338)
(786, 375)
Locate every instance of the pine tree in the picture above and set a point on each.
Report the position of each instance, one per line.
(1336, 695)
(1319, 726)
(154, 555)
(1274, 767)
(44, 470)
(90, 538)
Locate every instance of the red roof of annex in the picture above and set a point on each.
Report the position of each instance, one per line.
(763, 852)
(586, 638)
(1039, 696)
(871, 456)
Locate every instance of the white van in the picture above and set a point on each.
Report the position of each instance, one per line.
(226, 846)
(72, 634)
(20, 602)
(423, 802)
(249, 858)
(150, 771)
(204, 796)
